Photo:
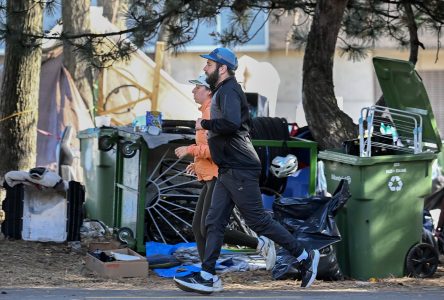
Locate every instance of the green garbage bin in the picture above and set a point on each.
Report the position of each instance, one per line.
(98, 160)
(381, 224)
(152, 193)
(383, 219)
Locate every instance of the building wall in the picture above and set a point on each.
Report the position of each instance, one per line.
(355, 83)
(289, 67)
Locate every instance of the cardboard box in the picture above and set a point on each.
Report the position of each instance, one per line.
(104, 245)
(118, 269)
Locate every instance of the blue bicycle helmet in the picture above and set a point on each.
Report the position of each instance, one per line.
(223, 56)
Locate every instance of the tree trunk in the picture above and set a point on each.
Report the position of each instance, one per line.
(113, 11)
(164, 34)
(20, 87)
(413, 32)
(76, 20)
(328, 124)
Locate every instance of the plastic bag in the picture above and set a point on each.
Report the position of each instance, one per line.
(311, 220)
(286, 266)
(321, 183)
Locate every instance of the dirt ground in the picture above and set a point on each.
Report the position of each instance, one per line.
(35, 264)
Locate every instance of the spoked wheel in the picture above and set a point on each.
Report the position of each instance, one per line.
(422, 261)
(238, 223)
(170, 202)
(171, 198)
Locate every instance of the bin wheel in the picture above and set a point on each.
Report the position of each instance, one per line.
(125, 235)
(422, 261)
(128, 150)
(105, 143)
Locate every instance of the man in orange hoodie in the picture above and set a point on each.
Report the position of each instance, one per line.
(206, 171)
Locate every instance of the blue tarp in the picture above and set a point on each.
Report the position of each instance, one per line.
(156, 249)
(153, 248)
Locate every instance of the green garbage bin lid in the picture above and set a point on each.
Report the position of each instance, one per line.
(403, 89)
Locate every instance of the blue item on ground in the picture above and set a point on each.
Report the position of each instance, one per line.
(162, 261)
(153, 248)
(178, 271)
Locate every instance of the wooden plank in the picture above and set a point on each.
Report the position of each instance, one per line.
(101, 96)
(120, 107)
(160, 51)
(133, 82)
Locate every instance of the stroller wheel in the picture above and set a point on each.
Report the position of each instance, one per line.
(422, 261)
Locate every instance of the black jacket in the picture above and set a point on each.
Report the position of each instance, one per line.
(228, 137)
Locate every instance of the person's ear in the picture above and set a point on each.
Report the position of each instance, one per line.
(223, 69)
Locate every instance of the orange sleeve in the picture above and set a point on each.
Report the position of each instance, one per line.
(201, 151)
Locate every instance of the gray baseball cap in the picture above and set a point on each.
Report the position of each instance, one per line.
(201, 80)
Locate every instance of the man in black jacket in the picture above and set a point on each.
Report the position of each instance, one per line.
(238, 180)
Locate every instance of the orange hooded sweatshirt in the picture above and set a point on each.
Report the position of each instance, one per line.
(204, 166)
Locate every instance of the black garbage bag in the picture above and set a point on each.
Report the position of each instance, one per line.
(286, 266)
(311, 220)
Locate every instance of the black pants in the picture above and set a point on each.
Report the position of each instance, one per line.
(241, 188)
(233, 237)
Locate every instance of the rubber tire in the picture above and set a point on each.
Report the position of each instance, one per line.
(105, 143)
(124, 234)
(421, 261)
(126, 152)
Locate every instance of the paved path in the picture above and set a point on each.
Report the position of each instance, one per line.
(62, 293)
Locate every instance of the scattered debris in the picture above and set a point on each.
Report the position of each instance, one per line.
(36, 264)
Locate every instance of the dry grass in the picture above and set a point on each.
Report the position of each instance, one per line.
(34, 264)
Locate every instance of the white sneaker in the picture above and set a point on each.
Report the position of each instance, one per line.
(267, 249)
(217, 284)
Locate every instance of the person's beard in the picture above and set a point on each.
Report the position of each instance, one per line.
(213, 78)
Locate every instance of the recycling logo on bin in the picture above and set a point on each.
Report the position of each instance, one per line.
(395, 184)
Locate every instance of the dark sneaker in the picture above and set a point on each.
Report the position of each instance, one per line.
(195, 283)
(309, 268)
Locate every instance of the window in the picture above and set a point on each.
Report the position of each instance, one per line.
(204, 40)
